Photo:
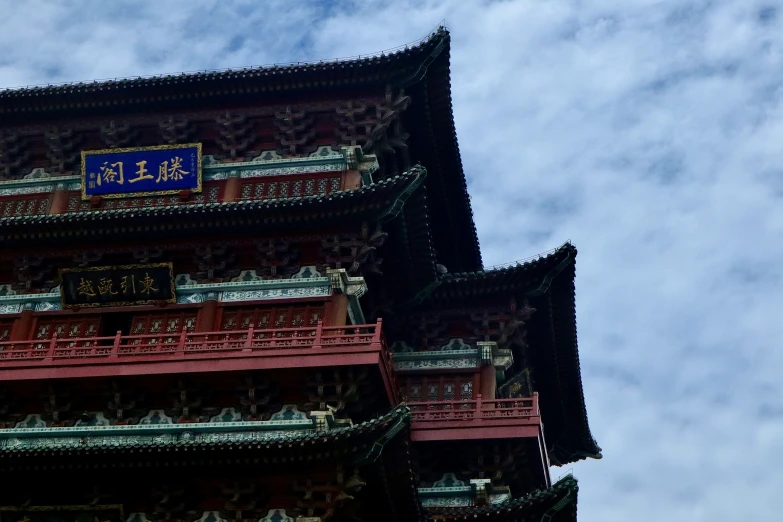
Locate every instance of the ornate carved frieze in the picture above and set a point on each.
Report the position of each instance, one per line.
(24, 206)
(440, 360)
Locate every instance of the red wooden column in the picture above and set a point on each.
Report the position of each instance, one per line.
(22, 326)
(352, 179)
(488, 382)
(205, 321)
(337, 311)
(488, 374)
(232, 189)
(59, 202)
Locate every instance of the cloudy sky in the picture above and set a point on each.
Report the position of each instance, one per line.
(648, 132)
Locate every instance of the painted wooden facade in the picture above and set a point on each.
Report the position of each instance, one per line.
(334, 351)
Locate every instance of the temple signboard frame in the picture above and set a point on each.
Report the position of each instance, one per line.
(141, 171)
(123, 285)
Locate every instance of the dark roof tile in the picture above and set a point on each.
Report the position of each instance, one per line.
(559, 501)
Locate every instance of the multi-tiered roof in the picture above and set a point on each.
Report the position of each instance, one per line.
(335, 188)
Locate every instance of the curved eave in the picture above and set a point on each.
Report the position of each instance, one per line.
(526, 278)
(150, 93)
(576, 441)
(409, 253)
(556, 504)
(374, 201)
(355, 442)
(437, 147)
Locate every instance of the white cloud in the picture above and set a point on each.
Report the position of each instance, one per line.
(648, 132)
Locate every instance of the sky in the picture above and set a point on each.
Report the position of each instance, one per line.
(649, 133)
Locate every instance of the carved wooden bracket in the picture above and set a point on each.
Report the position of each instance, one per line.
(115, 136)
(295, 133)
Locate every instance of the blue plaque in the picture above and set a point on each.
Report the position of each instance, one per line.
(144, 171)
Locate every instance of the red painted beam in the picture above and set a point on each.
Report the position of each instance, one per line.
(450, 430)
(289, 359)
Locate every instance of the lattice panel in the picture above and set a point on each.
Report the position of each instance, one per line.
(276, 188)
(268, 318)
(5, 330)
(446, 388)
(75, 327)
(29, 206)
(211, 194)
(169, 325)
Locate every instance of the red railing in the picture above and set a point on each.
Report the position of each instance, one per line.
(474, 410)
(192, 345)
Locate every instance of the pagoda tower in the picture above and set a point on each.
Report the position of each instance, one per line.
(257, 295)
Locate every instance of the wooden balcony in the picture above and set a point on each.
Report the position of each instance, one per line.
(476, 419)
(444, 425)
(251, 349)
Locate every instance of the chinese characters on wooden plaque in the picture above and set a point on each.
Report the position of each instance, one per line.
(119, 173)
(117, 285)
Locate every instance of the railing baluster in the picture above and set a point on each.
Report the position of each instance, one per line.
(115, 347)
(52, 348)
(377, 336)
(249, 340)
(181, 344)
(318, 335)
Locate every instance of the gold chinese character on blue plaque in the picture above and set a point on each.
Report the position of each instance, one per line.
(144, 171)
